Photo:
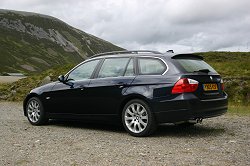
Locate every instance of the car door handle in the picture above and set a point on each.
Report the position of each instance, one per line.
(82, 87)
(122, 84)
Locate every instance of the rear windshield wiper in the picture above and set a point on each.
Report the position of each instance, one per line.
(203, 70)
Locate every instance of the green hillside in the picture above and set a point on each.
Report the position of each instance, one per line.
(234, 67)
(18, 90)
(31, 43)
(229, 64)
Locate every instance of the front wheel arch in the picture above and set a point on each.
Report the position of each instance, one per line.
(29, 96)
(37, 115)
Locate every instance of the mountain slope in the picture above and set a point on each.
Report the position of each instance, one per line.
(31, 42)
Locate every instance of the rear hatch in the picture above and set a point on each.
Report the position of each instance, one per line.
(194, 67)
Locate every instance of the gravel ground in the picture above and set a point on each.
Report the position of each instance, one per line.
(223, 140)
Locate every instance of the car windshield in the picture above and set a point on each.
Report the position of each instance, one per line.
(195, 65)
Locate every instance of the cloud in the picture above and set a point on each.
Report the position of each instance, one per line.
(183, 25)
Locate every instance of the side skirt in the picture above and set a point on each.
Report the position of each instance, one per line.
(111, 118)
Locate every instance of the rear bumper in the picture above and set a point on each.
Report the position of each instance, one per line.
(188, 107)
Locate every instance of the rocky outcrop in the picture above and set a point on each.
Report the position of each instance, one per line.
(38, 32)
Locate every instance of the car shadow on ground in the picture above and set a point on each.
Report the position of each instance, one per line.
(88, 125)
(200, 130)
(168, 130)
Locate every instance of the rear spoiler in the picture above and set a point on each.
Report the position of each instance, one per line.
(187, 56)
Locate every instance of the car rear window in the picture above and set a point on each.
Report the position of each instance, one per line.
(194, 65)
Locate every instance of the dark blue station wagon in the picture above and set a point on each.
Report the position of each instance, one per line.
(139, 89)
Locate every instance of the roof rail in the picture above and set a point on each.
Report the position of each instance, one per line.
(170, 51)
(126, 52)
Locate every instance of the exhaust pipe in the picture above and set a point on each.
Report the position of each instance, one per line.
(194, 121)
(197, 120)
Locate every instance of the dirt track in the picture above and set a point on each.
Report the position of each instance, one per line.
(9, 79)
(219, 141)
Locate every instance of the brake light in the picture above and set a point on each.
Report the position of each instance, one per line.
(222, 84)
(184, 85)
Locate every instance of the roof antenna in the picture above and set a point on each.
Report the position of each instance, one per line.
(170, 51)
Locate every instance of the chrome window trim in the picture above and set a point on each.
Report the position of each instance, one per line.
(100, 58)
(167, 68)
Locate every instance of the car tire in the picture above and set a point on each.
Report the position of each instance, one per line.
(138, 119)
(35, 112)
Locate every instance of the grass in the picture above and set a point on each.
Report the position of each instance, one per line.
(18, 90)
(229, 64)
(239, 110)
(234, 68)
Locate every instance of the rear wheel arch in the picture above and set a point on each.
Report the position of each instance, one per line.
(129, 98)
(136, 122)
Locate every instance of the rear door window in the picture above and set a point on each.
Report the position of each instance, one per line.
(151, 66)
(195, 65)
(113, 67)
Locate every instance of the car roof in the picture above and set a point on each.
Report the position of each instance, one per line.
(141, 53)
(126, 53)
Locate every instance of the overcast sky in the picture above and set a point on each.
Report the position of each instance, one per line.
(182, 25)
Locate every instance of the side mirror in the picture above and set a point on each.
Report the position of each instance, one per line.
(61, 78)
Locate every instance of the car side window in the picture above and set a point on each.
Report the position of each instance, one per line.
(151, 66)
(113, 67)
(83, 71)
(130, 68)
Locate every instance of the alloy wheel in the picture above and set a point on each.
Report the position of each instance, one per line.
(136, 118)
(33, 111)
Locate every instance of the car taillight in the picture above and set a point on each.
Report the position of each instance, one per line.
(222, 84)
(184, 85)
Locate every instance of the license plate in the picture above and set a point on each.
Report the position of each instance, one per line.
(210, 87)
